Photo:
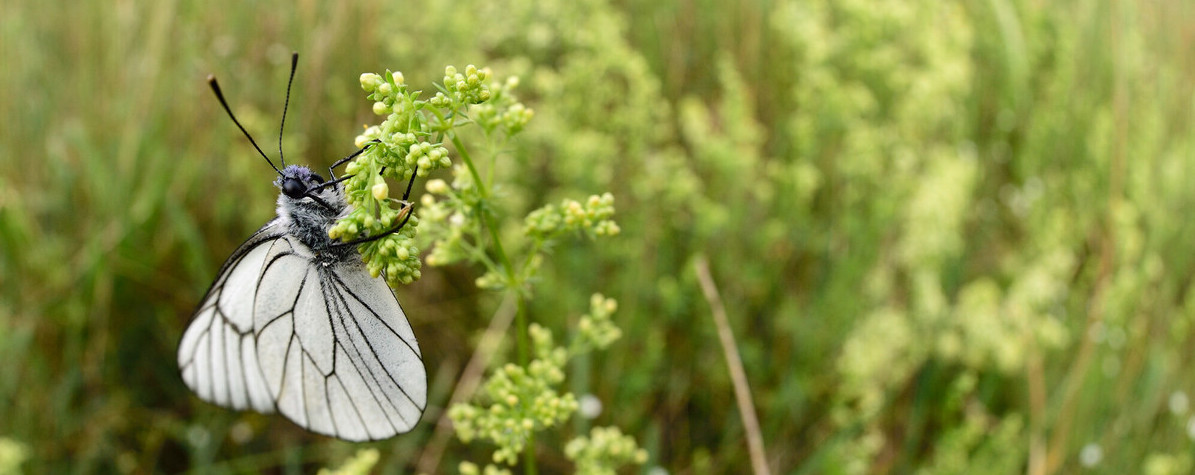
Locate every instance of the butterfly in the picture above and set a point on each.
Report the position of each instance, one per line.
(295, 324)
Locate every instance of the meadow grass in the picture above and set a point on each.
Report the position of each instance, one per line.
(949, 238)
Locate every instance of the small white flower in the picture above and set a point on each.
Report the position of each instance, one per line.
(1178, 403)
(241, 432)
(198, 436)
(591, 406)
(1091, 455)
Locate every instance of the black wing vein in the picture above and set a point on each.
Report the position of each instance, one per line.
(212, 355)
(357, 401)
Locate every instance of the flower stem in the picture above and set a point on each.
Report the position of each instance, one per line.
(503, 259)
(512, 284)
(529, 456)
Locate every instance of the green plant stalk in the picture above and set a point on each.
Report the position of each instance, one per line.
(503, 259)
(524, 354)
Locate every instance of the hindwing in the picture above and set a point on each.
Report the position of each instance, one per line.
(337, 352)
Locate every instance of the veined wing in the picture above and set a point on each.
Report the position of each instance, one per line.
(337, 352)
(217, 355)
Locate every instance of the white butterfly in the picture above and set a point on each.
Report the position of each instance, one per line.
(294, 323)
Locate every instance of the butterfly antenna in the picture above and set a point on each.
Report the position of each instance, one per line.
(211, 80)
(294, 63)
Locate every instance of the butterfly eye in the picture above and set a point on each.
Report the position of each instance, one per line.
(293, 188)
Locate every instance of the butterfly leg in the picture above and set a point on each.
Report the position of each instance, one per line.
(344, 160)
(406, 210)
(414, 173)
(314, 189)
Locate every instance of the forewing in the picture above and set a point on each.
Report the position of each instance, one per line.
(337, 351)
(217, 355)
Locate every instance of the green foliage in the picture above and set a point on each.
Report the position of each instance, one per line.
(463, 222)
(604, 450)
(1166, 464)
(398, 149)
(950, 237)
(470, 468)
(519, 401)
(12, 455)
(359, 464)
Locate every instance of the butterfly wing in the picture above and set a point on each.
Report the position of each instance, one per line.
(335, 347)
(217, 355)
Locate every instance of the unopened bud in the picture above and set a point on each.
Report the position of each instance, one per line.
(380, 191)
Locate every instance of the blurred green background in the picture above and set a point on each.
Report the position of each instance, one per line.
(952, 237)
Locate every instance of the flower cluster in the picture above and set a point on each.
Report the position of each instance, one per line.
(503, 111)
(462, 224)
(452, 209)
(406, 144)
(603, 451)
(361, 463)
(596, 330)
(463, 89)
(395, 255)
(522, 400)
(12, 455)
(591, 218)
(400, 142)
(470, 468)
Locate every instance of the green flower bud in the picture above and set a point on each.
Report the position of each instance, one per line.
(380, 191)
(436, 186)
(369, 81)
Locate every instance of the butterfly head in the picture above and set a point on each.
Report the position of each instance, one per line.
(297, 181)
(303, 188)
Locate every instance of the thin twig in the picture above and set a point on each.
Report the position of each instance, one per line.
(1038, 448)
(742, 392)
(466, 386)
